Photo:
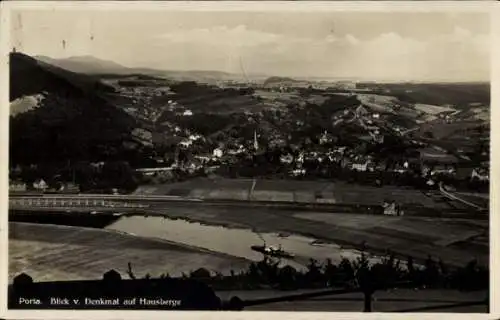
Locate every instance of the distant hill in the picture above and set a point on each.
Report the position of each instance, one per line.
(95, 66)
(203, 73)
(72, 118)
(86, 64)
(274, 81)
(460, 95)
(203, 76)
(31, 76)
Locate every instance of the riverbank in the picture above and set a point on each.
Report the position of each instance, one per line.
(418, 237)
(57, 253)
(215, 238)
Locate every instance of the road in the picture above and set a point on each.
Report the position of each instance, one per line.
(457, 197)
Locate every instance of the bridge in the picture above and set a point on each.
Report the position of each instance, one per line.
(58, 202)
(86, 201)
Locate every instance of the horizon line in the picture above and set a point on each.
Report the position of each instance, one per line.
(293, 77)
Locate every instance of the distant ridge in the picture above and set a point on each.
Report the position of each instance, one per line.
(32, 76)
(95, 66)
(279, 80)
(86, 64)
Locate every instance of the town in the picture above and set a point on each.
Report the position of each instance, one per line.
(300, 131)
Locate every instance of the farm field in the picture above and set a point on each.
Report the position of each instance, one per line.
(418, 229)
(285, 97)
(441, 130)
(48, 252)
(378, 103)
(432, 109)
(285, 190)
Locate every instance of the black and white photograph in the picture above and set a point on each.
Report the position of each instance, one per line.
(245, 158)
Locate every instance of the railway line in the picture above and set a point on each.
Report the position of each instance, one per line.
(457, 197)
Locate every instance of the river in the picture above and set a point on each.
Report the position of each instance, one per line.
(235, 242)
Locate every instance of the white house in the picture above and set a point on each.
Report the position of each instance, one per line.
(188, 113)
(40, 185)
(300, 158)
(392, 209)
(17, 186)
(195, 137)
(186, 143)
(480, 174)
(218, 153)
(324, 138)
(298, 172)
(360, 166)
(288, 158)
(340, 150)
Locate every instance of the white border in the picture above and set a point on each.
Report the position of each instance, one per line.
(380, 6)
(494, 165)
(4, 153)
(279, 6)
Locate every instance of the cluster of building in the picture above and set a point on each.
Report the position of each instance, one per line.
(431, 161)
(287, 84)
(40, 185)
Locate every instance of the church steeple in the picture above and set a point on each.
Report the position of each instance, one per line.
(255, 142)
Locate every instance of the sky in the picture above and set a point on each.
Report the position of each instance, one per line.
(422, 46)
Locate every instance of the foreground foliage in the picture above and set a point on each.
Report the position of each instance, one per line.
(388, 272)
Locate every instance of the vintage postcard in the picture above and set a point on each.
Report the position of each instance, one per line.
(318, 157)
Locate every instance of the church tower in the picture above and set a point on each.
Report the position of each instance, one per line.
(255, 142)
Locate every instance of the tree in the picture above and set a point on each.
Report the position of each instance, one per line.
(118, 174)
(346, 270)
(431, 273)
(287, 277)
(313, 274)
(200, 273)
(428, 135)
(365, 280)
(330, 272)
